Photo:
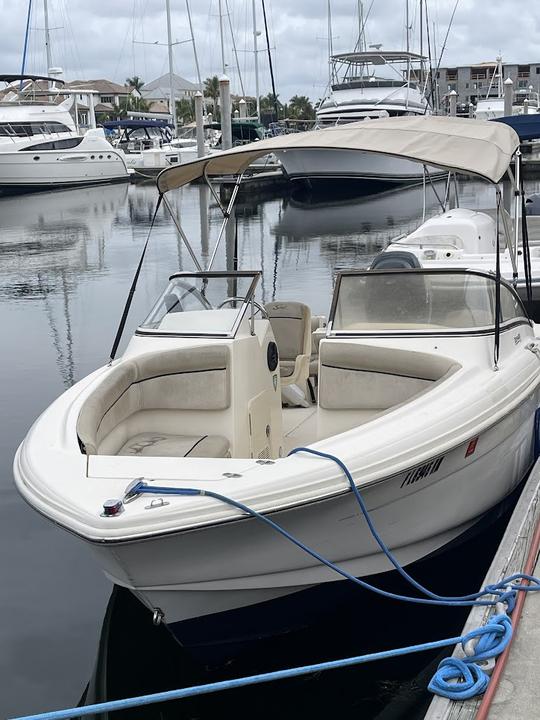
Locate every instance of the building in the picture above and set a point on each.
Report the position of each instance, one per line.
(159, 91)
(472, 82)
(108, 96)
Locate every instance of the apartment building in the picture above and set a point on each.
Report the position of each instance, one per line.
(472, 82)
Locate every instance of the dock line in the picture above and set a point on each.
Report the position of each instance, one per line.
(456, 678)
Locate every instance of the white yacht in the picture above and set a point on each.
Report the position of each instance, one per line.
(40, 147)
(367, 85)
(171, 461)
(492, 105)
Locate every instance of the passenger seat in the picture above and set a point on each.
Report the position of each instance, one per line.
(291, 325)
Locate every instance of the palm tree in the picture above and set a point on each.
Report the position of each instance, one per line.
(135, 82)
(211, 90)
(300, 108)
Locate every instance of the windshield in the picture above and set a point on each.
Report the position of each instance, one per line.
(414, 301)
(212, 304)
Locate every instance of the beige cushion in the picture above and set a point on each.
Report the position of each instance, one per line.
(363, 377)
(165, 445)
(194, 379)
(286, 368)
(291, 325)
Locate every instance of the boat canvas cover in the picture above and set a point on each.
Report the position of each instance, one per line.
(476, 147)
(527, 125)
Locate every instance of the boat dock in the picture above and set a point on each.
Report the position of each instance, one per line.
(516, 689)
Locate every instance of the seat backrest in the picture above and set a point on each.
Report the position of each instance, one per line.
(194, 378)
(353, 376)
(395, 260)
(291, 325)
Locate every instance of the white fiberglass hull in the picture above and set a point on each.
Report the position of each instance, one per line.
(213, 570)
(93, 161)
(328, 164)
(455, 454)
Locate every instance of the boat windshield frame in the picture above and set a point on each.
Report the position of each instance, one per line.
(428, 332)
(248, 300)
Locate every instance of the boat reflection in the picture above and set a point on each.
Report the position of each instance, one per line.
(49, 242)
(371, 221)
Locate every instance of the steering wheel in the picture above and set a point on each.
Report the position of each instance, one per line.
(238, 298)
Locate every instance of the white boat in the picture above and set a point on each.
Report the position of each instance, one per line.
(40, 147)
(492, 106)
(368, 85)
(428, 384)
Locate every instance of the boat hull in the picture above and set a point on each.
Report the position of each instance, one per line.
(88, 164)
(212, 570)
(342, 164)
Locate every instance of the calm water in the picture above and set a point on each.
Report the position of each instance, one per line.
(66, 262)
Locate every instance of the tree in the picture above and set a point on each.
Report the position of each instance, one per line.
(125, 104)
(185, 110)
(300, 108)
(135, 82)
(211, 90)
(268, 103)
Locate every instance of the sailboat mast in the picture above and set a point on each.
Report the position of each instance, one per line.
(256, 54)
(47, 36)
(172, 95)
(330, 48)
(408, 49)
(221, 37)
(361, 35)
(199, 79)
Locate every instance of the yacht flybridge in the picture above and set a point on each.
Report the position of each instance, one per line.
(40, 146)
(425, 384)
(366, 85)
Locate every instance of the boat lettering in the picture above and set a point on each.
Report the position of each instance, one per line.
(421, 472)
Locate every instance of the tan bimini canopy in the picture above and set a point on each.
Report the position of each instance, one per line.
(476, 147)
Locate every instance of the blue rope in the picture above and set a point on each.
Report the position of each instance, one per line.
(463, 677)
(205, 689)
(455, 678)
(499, 589)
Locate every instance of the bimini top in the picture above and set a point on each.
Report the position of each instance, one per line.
(378, 57)
(476, 147)
(11, 77)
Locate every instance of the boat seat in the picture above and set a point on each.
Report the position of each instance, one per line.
(291, 325)
(170, 395)
(166, 445)
(397, 259)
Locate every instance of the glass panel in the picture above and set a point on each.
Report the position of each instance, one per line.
(32, 128)
(201, 304)
(419, 301)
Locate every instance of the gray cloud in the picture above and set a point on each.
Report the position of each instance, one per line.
(95, 38)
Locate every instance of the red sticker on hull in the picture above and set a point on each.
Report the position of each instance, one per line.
(471, 447)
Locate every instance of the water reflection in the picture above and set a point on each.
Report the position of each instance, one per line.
(49, 241)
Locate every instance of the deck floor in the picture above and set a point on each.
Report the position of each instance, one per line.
(517, 694)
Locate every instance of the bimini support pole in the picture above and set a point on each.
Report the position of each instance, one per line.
(497, 343)
(226, 216)
(182, 233)
(133, 287)
(424, 188)
(517, 209)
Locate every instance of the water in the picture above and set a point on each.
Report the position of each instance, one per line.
(66, 263)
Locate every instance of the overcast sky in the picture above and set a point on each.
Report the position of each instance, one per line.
(105, 38)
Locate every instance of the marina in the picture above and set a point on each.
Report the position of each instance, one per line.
(271, 378)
